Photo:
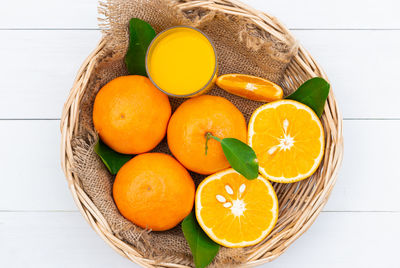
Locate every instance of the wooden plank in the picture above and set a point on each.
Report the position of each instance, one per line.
(305, 14)
(38, 68)
(32, 178)
(46, 14)
(339, 14)
(345, 240)
(31, 239)
(368, 181)
(65, 240)
(361, 68)
(370, 178)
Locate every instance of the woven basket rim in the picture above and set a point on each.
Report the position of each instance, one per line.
(301, 68)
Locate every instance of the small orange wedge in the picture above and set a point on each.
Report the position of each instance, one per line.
(234, 211)
(250, 87)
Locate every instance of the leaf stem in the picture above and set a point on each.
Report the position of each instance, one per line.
(209, 136)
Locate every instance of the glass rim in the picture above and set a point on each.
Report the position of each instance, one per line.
(186, 95)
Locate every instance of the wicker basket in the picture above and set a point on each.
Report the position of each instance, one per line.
(310, 196)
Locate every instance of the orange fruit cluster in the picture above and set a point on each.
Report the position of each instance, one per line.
(131, 115)
(155, 190)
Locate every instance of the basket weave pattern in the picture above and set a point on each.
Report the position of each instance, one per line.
(300, 203)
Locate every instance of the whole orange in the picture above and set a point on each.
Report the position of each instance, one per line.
(154, 191)
(131, 114)
(190, 124)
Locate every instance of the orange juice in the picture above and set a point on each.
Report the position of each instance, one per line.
(181, 61)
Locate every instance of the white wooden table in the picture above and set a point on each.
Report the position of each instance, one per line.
(42, 44)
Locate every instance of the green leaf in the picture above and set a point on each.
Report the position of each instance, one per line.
(203, 248)
(241, 157)
(312, 93)
(140, 35)
(113, 160)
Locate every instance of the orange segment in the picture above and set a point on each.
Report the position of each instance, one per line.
(250, 87)
(234, 211)
(288, 139)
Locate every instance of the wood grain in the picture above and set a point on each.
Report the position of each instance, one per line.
(31, 176)
(48, 14)
(64, 239)
(38, 68)
(52, 239)
(42, 44)
(307, 14)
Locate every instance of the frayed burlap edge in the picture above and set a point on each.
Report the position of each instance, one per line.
(114, 27)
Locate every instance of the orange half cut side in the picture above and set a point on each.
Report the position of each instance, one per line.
(236, 212)
(288, 139)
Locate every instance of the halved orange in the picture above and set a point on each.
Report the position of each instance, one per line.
(288, 139)
(234, 211)
(250, 87)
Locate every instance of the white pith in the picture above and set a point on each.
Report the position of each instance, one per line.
(251, 87)
(286, 141)
(237, 207)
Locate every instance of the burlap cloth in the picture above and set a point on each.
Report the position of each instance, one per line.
(241, 48)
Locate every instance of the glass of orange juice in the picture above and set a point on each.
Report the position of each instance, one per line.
(181, 61)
